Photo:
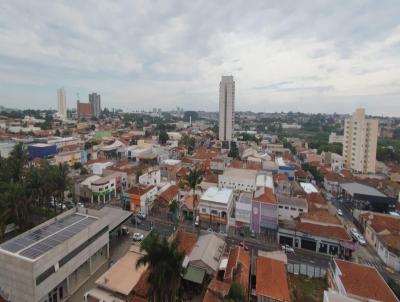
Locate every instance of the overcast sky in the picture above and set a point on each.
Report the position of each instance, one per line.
(309, 56)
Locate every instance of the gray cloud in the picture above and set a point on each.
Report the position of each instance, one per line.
(143, 54)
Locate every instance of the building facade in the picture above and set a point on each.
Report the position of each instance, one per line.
(94, 100)
(84, 110)
(360, 142)
(226, 108)
(62, 102)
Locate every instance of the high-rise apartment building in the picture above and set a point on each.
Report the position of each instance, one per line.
(62, 102)
(359, 143)
(226, 108)
(94, 100)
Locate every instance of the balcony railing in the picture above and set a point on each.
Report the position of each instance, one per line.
(213, 218)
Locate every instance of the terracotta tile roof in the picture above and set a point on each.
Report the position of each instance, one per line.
(320, 216)
(182, 172)
(170, 193)
(205, 153)
(213, 178)
(364, 281)
(238, 268)
(186, 240)
(280, 177)
(332, 176)
(139, 299)
(271, 279)
(139, 189)
(238, 164)
(335, 232)
(300, 173)
(216, 291)
(266, 196)
(142, 287)
(316, 199)
(380, 222)
(391, 241)
(188, 201)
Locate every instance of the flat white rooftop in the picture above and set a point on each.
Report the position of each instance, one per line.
(243, 173)
(215, 194)
(171, 162)
(308, 187)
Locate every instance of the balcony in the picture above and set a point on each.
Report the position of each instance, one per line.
(213, 219)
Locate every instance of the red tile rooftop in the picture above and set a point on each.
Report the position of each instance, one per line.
(364, 281)
(271, 279)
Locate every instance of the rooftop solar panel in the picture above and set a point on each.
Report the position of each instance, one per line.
(36, 243)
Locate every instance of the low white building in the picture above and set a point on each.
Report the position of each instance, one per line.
(150, 177)
(290, 207)
(243, 209)
(216, 207)
(238, 179)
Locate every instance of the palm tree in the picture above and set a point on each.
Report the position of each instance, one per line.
(60, 181)
(164, 261)
(17, 160)
(193, 179)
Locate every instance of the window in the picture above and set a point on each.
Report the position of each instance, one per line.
(293, 209)
(214, 212)
(281, 207)
(286, 208)
(203, 210)
(112, 185)
(301, 210)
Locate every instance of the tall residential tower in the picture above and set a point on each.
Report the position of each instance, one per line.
(94, 100)
(62, 102)
(226, 108)
(359, 143)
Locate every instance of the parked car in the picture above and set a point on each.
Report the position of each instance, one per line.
(339, 212)
(252, 234)
(287, 248)
(354, 233)
(197, 221)
(137, 237)
(361, 240)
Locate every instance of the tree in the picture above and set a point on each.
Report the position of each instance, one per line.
(163, 137)
(193, 179)
(234, 151)
(165, 265)
(174, 207)
(235, 293)
(57, 133)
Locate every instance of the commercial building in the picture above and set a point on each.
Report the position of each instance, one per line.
(51, 261)
(359, 143)
(226, 108)
(62, 102)
(94, 100)
(290, 207)
(84, 110)
(216, 208)
(238, 179)
(140, 198)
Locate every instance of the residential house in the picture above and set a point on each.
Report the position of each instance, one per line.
(360, 282)
(215, 208)
(271, 281)
(140, 198)
(290, 207)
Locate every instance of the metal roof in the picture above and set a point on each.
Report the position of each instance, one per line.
(357, 188)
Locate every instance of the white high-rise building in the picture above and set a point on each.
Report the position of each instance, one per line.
(226, 108)
(359, 143)
(62, 102)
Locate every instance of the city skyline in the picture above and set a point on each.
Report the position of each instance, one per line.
(284, 56)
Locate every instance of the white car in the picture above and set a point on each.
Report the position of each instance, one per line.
(354, 233)
(287, 248)
(339, 212)
(137, 237)
(361, 239)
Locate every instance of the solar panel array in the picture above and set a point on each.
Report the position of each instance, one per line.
(36, 243)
